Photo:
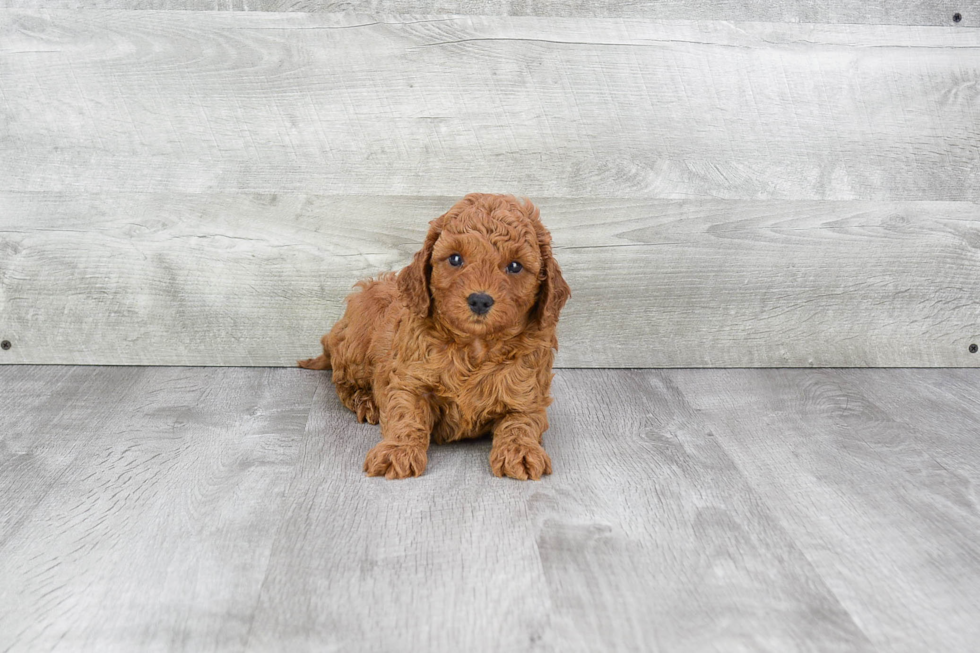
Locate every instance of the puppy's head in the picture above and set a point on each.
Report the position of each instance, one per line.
(486, 268)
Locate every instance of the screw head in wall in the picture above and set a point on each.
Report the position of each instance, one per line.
(957, 17)
(973, 348)
(5, 345)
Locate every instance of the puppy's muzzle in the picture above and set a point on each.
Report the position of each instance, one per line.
(480, 303)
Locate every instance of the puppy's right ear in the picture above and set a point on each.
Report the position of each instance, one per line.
(413, 280)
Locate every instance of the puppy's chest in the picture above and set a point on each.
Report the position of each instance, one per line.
(471, 400)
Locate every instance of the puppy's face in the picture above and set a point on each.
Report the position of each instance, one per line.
(486, 268)
(485, 271)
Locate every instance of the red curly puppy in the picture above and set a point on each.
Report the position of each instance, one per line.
(459, 344)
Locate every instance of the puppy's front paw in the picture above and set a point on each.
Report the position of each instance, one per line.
(520, 461)
(394, 460)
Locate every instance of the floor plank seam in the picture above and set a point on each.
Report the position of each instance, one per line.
(282, 521)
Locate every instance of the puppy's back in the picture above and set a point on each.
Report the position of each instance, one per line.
(366, 327)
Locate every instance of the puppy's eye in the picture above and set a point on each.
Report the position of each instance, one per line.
(455, 260)
(514, 267)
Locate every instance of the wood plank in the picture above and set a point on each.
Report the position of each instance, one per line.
(39, 435)
(778, 510)
(873, 12)
(157, 535)
(241, 279)
(641, 540)
(159, 101)
(874, 475)
(648, 484)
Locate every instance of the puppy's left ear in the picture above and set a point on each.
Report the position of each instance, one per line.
(413, 280)
(553, 291)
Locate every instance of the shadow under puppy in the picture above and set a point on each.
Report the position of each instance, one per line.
(459, 344)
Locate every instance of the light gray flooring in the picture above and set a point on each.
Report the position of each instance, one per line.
(690, 510)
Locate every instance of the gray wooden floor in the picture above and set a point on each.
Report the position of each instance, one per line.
(690, 510)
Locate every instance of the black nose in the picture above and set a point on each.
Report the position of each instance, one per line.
(480, 303)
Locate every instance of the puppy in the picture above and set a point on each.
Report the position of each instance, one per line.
(459, 344)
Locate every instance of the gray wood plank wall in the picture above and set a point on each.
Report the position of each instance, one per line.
(875, 12)
(753, 184)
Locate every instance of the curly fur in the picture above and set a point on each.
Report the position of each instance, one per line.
(410, 354)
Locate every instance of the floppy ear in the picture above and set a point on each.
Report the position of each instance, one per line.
(413, 280)
(553, 291)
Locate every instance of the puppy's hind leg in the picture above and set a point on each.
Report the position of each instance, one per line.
(321, 362)
(360, 401)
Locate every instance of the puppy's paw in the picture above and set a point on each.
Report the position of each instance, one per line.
(394, 460)
(519, 460)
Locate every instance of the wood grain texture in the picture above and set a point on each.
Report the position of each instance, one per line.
(690, 510)
(39, 438)
(161, 101)
(609, 552)
(905, 12)
(875, 476)
(145, 502)
(204, 187)
(236, 279)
